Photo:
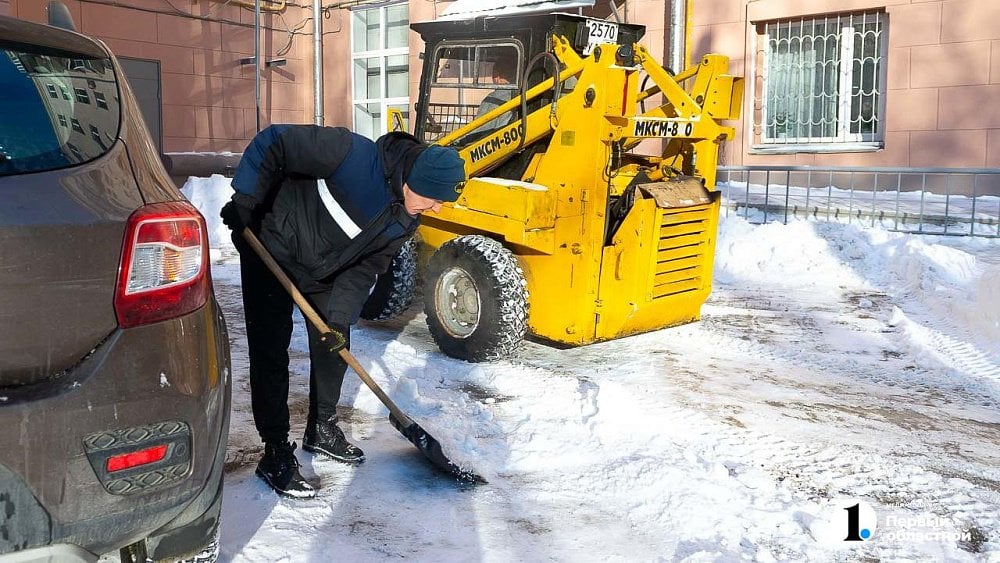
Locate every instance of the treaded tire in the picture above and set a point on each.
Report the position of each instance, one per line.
(210, 554)
(394, 290)
(476, 299)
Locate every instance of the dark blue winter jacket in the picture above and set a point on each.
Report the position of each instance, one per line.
(332, 206)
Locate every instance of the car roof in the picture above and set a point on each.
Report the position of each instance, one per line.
(61, 41)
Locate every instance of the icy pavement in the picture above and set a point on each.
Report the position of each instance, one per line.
(833, 365)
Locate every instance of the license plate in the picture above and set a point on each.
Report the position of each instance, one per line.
(600, 32)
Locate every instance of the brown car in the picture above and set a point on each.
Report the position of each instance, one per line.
(114, 360)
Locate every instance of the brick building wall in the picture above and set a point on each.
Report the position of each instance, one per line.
(942, 77)
(942, 68)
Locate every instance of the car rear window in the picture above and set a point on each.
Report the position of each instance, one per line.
(57, 110)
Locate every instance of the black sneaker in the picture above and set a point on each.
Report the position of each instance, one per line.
(280, 470)
(326, 438)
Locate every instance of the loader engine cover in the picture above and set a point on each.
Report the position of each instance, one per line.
(683, 191)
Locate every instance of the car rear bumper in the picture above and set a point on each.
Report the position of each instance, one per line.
(168, 375)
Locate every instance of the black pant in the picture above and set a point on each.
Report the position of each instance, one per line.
(268, 309)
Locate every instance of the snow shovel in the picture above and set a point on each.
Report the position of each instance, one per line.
(412, 431)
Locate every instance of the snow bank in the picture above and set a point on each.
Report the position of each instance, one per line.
(209, 195)
(943, 273)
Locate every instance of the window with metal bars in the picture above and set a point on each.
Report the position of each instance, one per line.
(823, 82)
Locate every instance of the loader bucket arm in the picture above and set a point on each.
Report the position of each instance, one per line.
(714, 92)
(688, 119)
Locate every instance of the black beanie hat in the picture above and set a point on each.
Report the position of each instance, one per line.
(436, 173)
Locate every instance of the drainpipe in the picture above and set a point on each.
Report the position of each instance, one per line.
(677, 32)
(318, 61)
(256, 59)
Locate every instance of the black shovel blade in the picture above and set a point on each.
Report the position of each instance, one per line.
(431, 449)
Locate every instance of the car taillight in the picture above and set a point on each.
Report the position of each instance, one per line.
(164, 267)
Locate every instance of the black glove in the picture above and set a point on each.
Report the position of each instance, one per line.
(235, 216)
(336, 339)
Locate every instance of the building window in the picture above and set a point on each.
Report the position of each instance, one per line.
(52, 90)
(101, 101)
(76, 125)
(95, 134)
(65, 92)
(76, 152)
(380, 63)
(62, 121)
(81, 95)
(823, 82)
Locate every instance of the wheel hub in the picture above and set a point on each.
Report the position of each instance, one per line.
(458, 304)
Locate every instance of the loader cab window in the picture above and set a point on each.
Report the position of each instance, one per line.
(470, 80)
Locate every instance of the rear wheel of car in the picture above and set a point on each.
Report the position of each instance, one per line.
(137, 553)
(210, 553)
(134, 553)
(476, 299)
(394, 290)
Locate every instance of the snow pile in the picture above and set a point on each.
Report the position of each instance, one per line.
(209, 195)
(468, 9)
(796, 255)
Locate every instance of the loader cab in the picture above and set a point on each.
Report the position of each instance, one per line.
(468, 79)
(472, 66)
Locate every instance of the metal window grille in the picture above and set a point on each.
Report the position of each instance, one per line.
(823, 80)
(446, 118)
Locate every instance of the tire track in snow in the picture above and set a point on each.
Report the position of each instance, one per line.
(803, 471)
(746, 472)
(949, 411)
(934, 336)
(807, 473)
(824, 333)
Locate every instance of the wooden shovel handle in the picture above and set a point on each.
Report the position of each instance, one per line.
(318, 322)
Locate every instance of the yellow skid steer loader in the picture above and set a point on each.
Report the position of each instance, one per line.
(566, 228)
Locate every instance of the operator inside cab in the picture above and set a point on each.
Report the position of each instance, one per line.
(504, 74)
